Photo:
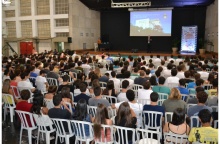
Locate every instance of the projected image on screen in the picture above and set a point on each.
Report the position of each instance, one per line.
(153, 23)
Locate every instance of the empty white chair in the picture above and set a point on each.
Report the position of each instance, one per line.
(95, 46)
(111, 99)
(92, 110)
(49, 103)
(168, 116)
(61, 131)
(27, 123)
(122, 134)
(194, 122)
(147, 136)
(16, 92)
(52, 81)
(170, 138)
(83, 131)
(44, 124)
(8, 104)
(163, 96)
(150, 122)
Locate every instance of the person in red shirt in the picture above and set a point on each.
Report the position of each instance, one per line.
(23, 105)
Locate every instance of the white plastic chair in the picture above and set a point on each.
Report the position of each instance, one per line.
(49, 103)
(105, 128)
(152, 120)
(163, 96)
(122, 134)
(184, 97)
(103, 84)
(160, 102)
(69, 106)
(172, 85)
(25, 117)
(143, 101)
(92, 110)
(192, 91)
(194, 122)
(25, 88)
(110, 99)
(170, 138)
(80, 128)
(52, 81)
(44, 124)
(112, 112)
(60, 130)
(8, 104)
(168, 116)
(16, 92)
(95, 47)
(147, 136)
(136, 87)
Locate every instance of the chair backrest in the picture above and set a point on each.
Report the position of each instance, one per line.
(122, 134)
(147, 136)
(16, 92)
(43, 122)
(26, 118)
(52, 81)
(49, 103)
(153, 120)
(24, 88)
(136, 87)
(111, 112)
(8, 100)
(82, 129)
(74, 74)
(111, 99)
(63, 127)
(69, 106)
(214, 108)
(143, 101)
(160, 102)
(103, 84)
(208, 86)
(194, 122)
(163, 96)
(184, 97)
(92, 110)
(168, 116)
(216, 124)
(171, 138)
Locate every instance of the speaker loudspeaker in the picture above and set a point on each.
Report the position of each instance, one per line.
(69, 39)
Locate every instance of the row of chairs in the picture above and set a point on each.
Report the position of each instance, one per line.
(77, 128)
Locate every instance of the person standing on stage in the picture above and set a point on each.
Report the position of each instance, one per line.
(99, 42)
(148, 44)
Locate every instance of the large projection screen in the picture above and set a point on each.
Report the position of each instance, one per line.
(151, 22)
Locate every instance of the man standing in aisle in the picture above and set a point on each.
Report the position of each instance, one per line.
(148, 44)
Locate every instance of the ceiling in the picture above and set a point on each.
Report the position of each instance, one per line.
(101, 5)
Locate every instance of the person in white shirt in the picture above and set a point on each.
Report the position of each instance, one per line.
(166, 73)
(179, 59)
(6, 75)
(203, 73)
(136, 107)
(41, 81)
(127, 75)
(115, 80)
(122, 95)
(24, 82)
(145, 93)
(180, 73)
(172, 79)
(157, 60)
(171, 58)
(85, 64)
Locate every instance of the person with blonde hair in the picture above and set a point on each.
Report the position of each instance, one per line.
(97, 72)
(174, 101)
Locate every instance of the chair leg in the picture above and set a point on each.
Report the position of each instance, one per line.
(5, 112)
(38, 133)
(29, 136)
(21, 134)
(47, 138)
(56, 139)
(67, 139)
(11, 114)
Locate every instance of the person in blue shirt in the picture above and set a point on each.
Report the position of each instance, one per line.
(193, 84)
(182, 88)
(109, 58)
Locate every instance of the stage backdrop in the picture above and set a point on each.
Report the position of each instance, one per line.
(116, 24)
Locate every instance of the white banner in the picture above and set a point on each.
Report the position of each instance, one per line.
(189, 39)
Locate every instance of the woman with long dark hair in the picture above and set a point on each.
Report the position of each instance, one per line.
(110, 90)
(126, 118)
(101, 117)
(38, 106)
(81, 114)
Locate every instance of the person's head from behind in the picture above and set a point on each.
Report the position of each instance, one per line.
(178, 117)
(175, 94)
(157, 73)
(146, 85)
(153, 80)
(205, 116)
(142, 73)
(215, 83)
(125, 84)
(38, 102)
(130, 95)
(81, 110)
(173, 72)
(127, 74)
(202, 97)
(187, 74)
(154, 97)
(110, 85)
(113, 74)
(100, 118)
(57, 100)
(43, 73)
(82, 87)
(199, 82)
(6, 86)
(199, 89)
(95, 83)
(25, 94)
(161, 80)
(66, 78)
(182, 82)
(197, 76)
(97, 91)
(65, 92)
(124, 112)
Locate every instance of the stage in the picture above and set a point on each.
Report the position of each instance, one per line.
(144, 53)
